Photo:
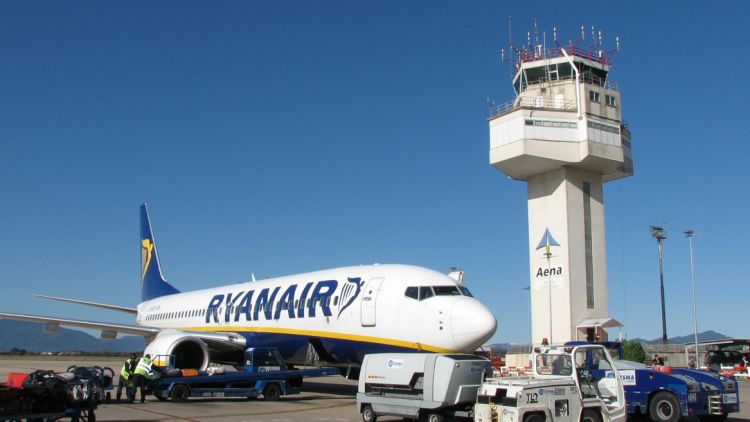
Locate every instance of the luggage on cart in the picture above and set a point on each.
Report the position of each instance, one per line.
(43, 392)
(9, 401)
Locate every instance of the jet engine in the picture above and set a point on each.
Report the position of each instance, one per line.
(196, 350)
(188, 350)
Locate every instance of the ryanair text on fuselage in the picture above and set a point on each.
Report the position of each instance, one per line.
(253, 305)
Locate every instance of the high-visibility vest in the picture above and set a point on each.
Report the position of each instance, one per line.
(125, 371)
(144, 367)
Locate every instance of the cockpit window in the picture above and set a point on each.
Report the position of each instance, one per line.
(412, 292)
(425, 292)
(446, 291)
(465, 291)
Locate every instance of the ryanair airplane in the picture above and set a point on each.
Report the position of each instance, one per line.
(340, 314)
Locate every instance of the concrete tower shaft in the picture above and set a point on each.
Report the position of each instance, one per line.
(563, 134)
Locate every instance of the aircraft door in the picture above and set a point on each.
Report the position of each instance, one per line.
(369, 297)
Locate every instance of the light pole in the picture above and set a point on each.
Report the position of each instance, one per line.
(531, 336)
(549, 291)
(660, 234)
(689, 234)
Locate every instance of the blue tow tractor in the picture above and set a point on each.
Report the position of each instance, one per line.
(666, 394)
(264, 374)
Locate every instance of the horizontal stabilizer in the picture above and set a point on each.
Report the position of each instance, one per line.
(125, 309)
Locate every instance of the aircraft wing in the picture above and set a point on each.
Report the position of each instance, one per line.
(126, 309)
(109, 330)
(217, 341)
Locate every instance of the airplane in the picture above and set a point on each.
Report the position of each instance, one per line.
(340, 314)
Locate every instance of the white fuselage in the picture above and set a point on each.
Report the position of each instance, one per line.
(351, 311)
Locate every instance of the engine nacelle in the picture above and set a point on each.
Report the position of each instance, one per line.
(189, 351)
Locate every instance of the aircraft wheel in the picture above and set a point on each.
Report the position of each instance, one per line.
(180, 393)
(664, 407)
(272, 392)
(591, 415)
(368, 415)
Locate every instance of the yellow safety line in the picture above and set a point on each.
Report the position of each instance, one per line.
(325, 334)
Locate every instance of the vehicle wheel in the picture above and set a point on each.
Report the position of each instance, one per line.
(534, 417)
(368, 415)
(713, 418)
(664, 407)
(272, 392)
(591, 415)
(180, 393)
(435, 417)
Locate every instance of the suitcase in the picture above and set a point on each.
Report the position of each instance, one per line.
(15, 380)
(189, 372)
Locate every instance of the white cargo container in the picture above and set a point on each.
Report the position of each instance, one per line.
(414, 385)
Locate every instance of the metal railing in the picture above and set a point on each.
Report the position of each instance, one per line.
(541, 103)
(534, 54)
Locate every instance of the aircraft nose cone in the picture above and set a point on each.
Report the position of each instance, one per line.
(471, 324)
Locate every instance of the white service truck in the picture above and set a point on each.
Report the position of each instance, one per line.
(560, 389)
(420, 385)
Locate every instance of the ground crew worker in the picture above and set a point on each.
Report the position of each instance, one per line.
(142, 373)
(125, 374)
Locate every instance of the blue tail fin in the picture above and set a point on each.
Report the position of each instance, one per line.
(153, 284)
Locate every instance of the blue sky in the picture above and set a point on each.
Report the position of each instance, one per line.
(282, 137)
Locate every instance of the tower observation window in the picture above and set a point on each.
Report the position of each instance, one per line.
(594, 96)
(610, 100)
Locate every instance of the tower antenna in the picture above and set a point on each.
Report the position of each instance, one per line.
(593, 35)
(510, 34)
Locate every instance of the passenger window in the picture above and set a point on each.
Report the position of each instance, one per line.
(425, 292)
(412, 292)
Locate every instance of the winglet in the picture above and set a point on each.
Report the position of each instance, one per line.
(153, 284)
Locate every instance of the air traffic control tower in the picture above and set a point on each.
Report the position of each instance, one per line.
(563, 134)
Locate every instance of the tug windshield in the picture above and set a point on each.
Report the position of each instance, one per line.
(554, 364)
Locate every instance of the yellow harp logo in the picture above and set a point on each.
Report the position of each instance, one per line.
(146, 248)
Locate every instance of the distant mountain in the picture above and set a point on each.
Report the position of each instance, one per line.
(31, 336)
(497, 347)
(703, 336)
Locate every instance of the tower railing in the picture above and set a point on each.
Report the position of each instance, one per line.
(530, 54)
(541, 103)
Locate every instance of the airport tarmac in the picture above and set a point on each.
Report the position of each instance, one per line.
(322, 399)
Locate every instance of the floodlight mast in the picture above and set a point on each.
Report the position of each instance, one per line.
(660, 234)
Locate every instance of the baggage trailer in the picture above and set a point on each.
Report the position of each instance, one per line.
(264, 373)
(419, 385)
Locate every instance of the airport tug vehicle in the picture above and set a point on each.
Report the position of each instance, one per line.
(578, 383)
(665, 394)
